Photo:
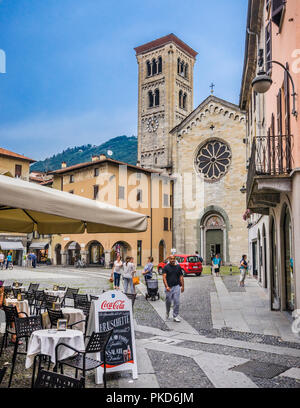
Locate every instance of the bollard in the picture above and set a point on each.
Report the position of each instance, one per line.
(230, 269)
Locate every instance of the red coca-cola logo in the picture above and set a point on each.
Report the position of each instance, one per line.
(116, 305)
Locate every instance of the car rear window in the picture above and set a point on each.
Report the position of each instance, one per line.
(179, 259)
(192, 259)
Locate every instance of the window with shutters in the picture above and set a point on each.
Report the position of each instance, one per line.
(287, 119)
(269, 47)
(279, 113)
(96, 191)
(96, 172)
(71, 178)
(139, 196)
(121, 192)
(166, 224)
(278, 11)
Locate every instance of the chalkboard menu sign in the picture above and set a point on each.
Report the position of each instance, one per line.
(119, 348)
(113, 310)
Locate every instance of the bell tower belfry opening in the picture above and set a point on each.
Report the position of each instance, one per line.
(165, 96)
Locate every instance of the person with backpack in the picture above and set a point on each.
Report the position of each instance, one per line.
(147, 272)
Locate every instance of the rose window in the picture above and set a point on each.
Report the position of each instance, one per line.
(213, 160)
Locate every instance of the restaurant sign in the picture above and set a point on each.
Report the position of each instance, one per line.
(113, 310)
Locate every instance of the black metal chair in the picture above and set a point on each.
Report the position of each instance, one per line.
(2, 373)
(55, 315)
(97, 344)
(29, 296)
(79, 299)
(38, 299)
(16, 292)
(7, 290)
(33, 287)
(24, 328)
(93, 297)
(49, 379)
(69, 295)
(16, 284)
(10, 313)
(62, 288)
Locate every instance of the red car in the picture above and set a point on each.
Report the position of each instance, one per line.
(189, 264)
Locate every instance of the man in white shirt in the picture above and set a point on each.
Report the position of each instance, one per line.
(1, 259)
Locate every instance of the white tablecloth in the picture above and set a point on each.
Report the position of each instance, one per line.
(22, 305)
(43, 342)
(59, 293)
(73, 315)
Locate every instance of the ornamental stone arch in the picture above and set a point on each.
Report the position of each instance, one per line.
(205, 223)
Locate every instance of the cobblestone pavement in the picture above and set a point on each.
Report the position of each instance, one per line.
(193, 353)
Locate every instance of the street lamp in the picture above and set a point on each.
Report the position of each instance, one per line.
(262, 83)
(243, 190)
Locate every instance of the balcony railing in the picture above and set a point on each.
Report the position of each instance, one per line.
(270, 156)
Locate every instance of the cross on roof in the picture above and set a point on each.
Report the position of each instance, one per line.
(212, 85)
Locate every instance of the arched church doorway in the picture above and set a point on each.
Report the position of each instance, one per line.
(214, 237)
(288, 261)
(161, 251)
(58, 254)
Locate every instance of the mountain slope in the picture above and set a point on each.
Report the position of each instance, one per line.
(124, 148)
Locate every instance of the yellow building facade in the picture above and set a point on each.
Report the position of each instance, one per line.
(125, 186)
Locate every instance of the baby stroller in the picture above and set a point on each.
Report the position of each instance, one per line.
(152, 288)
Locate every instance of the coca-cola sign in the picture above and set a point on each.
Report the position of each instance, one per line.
(116, 305)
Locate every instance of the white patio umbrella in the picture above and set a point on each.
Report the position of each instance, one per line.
(26, 207)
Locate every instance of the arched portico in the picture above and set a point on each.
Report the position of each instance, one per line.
(161, 251)
(95, 253)
(73, 252)
(121, 248)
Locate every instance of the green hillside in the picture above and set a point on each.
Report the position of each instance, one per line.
(124, 149)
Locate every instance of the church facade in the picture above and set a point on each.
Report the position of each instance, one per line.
(200, 149)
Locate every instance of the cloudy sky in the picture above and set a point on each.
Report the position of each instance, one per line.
(71, 72)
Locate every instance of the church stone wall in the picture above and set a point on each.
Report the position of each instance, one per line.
(229, 126)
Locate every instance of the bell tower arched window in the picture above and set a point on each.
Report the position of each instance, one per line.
(184, 101)
(180, 99)
(148, 68)
(186, 71)
(156, 93)
(150, 99)
(154, 67)
(159, 65)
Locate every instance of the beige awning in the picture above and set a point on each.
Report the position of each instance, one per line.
(38, 245)
(11, 246)
(25, 207)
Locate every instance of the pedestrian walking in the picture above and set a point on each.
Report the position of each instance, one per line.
(2, 258)
(33, 259)
(128, 273)
(116, 272)
(174, 284)
(243, 270)
(216, 264)
(200, 257)
(8, 260)
(147, 272)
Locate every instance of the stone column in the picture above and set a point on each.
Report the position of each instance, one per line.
(63, 258)
(224, 246)
(106, 258)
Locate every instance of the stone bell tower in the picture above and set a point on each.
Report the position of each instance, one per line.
(165, 96)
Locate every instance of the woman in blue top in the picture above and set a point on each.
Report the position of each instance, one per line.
(216, 264)
(8, 260)
(243, 270)
(147, 272)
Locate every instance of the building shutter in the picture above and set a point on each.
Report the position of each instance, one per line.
(279, 113)
(277, 10)
(268, 47)
(287, 103)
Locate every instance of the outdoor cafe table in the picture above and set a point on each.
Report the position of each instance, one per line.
(22, 305)
(58, 293)
(44, 342)
(73, 316)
